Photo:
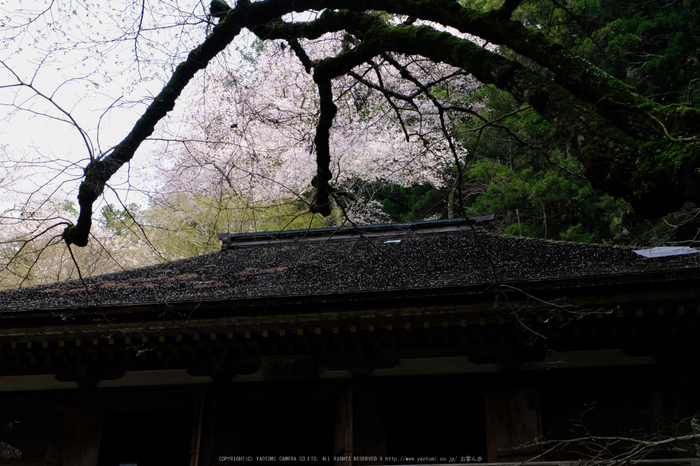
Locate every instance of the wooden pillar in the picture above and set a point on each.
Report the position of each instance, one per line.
(369, 434)
(54, 450)
(219, 429)
(512, 420)
(670, 408)
(197, 424)
(79, 444)
(359, 428)
(342, 446)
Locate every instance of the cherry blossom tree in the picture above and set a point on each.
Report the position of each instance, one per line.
(629, 145)
(250, 136)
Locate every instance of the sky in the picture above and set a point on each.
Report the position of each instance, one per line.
(89, 65)
(75, 77)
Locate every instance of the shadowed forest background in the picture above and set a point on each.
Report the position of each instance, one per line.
(412, 137)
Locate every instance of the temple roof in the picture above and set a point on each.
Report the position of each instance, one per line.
(394, 258)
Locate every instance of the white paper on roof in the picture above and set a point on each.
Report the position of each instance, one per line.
(663, 251)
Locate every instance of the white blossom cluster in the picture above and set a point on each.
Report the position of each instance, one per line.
(251, 132)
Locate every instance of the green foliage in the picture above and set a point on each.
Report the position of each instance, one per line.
(485, 5)
(520, 170)
(524, 173)
(530, 180)
(544, 202)
(651, 45)
(185, 225)
(115, 219)
(412, 203)
(70, 207)
(289, 215)
(528, 176)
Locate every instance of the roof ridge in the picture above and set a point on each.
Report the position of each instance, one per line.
(349, 232)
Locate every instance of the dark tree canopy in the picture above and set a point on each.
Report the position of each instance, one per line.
(643, 149)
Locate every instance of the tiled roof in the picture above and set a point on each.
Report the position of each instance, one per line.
(402, 260)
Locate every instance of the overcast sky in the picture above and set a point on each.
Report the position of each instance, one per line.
(99, 64)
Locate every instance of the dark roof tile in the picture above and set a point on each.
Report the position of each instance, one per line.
(346, 266)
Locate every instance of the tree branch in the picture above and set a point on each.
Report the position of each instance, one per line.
(99, 171)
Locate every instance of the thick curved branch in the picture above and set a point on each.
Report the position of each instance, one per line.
(506, 10)
(611, 96)
(98, 172)
(656, 175)
(321, 203)
(614, 128)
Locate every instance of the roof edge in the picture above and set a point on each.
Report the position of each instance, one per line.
(350, 232)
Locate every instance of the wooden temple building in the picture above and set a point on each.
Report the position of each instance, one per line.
(429, 343)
